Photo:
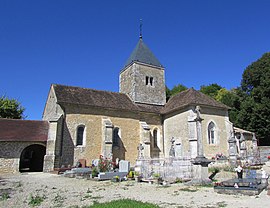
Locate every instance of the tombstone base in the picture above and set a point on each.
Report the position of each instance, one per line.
(246, 186)
(200, 175)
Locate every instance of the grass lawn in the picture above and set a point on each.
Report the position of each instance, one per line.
(127, 203)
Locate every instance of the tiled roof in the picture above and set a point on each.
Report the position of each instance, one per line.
(149, 108)
(102, 99)
(120, 101)
(143, 54)
(91, 97)
(23, 130)
(191, 97)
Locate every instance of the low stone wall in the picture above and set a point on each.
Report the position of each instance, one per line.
(168, 169)
(9, 165)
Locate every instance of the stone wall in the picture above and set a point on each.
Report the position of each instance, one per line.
(10, 153)
(133, 82)
(176, 127)
(93, 120)
(180, 125)
(221, 120)
(52, 111)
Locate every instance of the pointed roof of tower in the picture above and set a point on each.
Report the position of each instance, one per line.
(143, 54)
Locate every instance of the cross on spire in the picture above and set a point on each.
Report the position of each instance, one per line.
(140, 28)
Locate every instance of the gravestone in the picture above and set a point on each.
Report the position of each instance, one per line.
(124, 166)
(251, 174)
(95, 162)
(178, 149)
(83, 162)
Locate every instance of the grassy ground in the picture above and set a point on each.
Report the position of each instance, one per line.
(123, 203)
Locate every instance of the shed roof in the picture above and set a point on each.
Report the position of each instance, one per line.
(23, 130)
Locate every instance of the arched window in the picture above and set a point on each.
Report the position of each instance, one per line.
(211, 133)
(80, 135)
(155, 139)
(116, 137)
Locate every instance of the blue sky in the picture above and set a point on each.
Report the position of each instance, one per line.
(86, 43)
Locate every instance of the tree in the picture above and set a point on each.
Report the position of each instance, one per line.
(175, 90)
(210, 90)
(11, 108)
(231, 99)
(168, 93)
(255, 99)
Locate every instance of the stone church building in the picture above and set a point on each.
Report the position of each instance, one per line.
(86, 123)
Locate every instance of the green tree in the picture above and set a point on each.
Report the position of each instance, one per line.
(255, 99)
(168, 93)
(210, 90)
(175, 90)
(11, 108)
(231, 99)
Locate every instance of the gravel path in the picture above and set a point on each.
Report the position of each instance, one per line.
(59, 191)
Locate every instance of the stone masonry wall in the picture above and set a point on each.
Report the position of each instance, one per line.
(91, 118)
(133, 83)
(52, 111)
(10, 153)
(220, 118)
(178, 125)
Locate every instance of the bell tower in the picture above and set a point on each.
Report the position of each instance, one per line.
(142, 78)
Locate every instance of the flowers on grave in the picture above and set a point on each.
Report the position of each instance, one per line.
(104, 164)
(268, 157)
(218, 184)
(220, 156)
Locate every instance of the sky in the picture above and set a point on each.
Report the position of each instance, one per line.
(86, 43)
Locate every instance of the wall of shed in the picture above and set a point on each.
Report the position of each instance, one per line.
(10, 153)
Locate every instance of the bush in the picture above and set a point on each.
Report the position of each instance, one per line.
(214, 169)
(36, 200)
(4, 196)
(94, 172)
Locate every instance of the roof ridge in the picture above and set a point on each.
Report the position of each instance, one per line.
(16, 119)
(85, 88)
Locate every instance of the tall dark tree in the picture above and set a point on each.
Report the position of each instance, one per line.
(255, 103)
(11, 108)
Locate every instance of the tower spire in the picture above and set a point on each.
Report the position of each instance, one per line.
(140, 28)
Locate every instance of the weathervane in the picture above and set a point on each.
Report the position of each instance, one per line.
(141, 28)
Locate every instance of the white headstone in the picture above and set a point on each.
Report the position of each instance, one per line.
(95, 162)
(124, 166)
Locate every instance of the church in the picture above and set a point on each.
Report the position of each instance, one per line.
(135, 123)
